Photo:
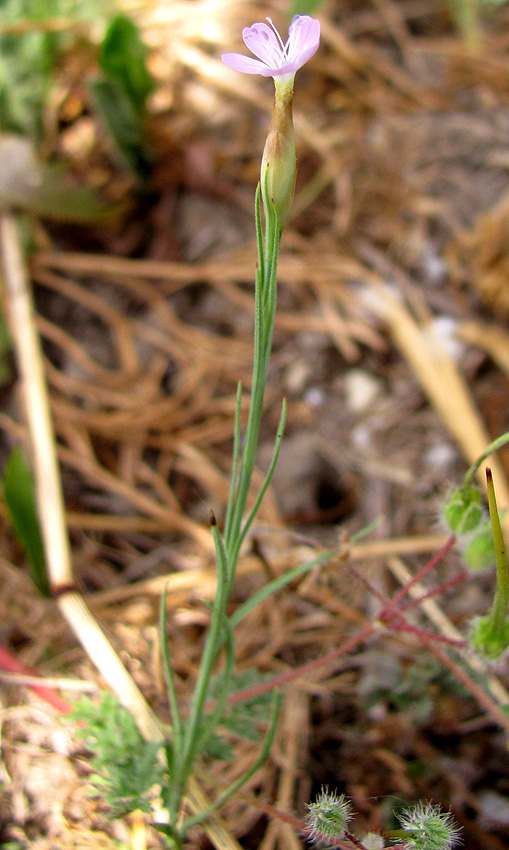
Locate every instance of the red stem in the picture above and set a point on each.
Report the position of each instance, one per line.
(437, 557)
(297, 672)
(11, 664)
(446, 585)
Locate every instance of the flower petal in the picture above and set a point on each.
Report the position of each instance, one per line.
(303, 40)
(262, 41)
(274, 59)
(245, 64)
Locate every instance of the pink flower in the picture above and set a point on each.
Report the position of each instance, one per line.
(276, 59)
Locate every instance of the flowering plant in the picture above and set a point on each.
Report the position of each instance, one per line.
(196, 733)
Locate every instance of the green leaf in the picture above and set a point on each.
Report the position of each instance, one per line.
(479, 553)
(120, 95)
(217, 748)
(124, 59)
(29, 61)
(19, 495)
(277, 584)
(123, 124)
(463, 512)
(485, 638)
(126, 766)
(5, 347)
(242, 727)
(240, 718)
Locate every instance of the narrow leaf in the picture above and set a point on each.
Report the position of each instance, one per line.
(19, 495)
(123, 124)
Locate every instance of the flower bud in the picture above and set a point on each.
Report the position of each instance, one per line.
(279, 164)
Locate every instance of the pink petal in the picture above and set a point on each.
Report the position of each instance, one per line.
(272, 60)
(245, 64)
(262, 41)
(303, 40)
(288, 70)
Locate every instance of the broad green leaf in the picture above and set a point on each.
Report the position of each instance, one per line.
(479, 554)
(124, 59)
(463, 512)
(19, 496)
(123, 124)
(488, 639)
(242, 727)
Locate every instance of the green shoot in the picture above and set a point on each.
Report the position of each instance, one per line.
(490, 634)
(19, 495)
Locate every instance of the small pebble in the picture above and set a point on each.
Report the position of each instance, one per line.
(445, 327)
(493, 808)
(315, 397)
(361, 389)
(441, 456)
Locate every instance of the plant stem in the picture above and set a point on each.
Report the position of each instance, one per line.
(498, 613)
(265, 309)
(211, 649)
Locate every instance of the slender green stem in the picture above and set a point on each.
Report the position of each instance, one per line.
(235, 460)
(191, 735)
(241, 781)
(174, 747)
(498, 613)
(227, 548)
(214, 719)
(265, 307)
(258, 226)
(265, 485)
(210, 651)
(168, 674)
(258, 385)
(493, 447)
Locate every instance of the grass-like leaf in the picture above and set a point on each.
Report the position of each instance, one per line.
(19, 495)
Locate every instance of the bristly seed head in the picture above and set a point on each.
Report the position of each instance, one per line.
(328, 817)
(427, 827)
